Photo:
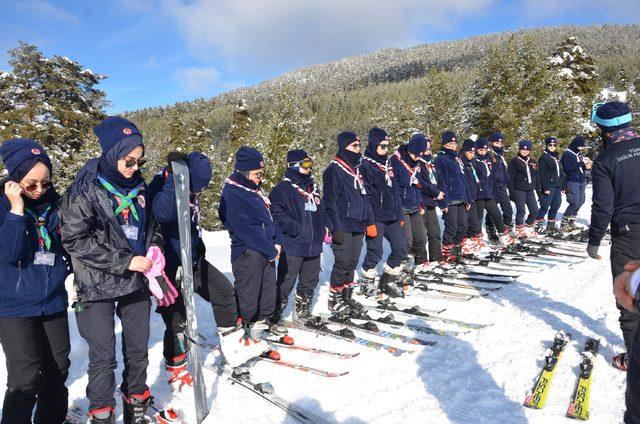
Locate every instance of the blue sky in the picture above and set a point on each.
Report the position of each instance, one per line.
(158, 52)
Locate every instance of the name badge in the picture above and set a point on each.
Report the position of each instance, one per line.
(389, 182)
(44, 258)
(130, 232)
(310, 206)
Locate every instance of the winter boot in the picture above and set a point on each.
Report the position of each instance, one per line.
(238, 346)
(303, 306)
(105, 415)
(367, 286)
(135, 408)
(551, 228)
(539, 226)
(355, 308)
(390, 282)
(337, 304)
(177, 371)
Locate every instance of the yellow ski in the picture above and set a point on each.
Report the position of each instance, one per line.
(579, 406)
(537, 396)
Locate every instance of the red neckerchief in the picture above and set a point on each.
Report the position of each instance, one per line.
(265, 199)
(314, 195)
(386, 169)
(411, 170)
(357, 178)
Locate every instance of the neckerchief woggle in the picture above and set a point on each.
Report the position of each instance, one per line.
(385, 169)
(125, 203)
(44, 239)
(358, 183)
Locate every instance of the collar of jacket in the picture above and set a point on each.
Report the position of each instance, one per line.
(303, 180)
(382, 160)
(449, 152)
(553, 154)
(240, 179)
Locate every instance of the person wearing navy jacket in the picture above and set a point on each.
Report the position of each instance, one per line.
(406, 167)
(34, 330)
(522, 183)
(299, 213)
(348, 209)
(115, 246)
(550, 179)
(452, 181)
(256, 240)
(429, 199)
(485, 199)
(574, 166)
(501, 177)
(468, 154)
(384, 197)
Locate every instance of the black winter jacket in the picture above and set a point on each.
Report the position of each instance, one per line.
(521, 178)
(549, 172)
(99, 250)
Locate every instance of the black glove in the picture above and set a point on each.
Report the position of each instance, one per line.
(592, 251)
(173, 156)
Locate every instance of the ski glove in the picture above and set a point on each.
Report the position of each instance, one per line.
(159, 284)
(592, 251)
(372, 231)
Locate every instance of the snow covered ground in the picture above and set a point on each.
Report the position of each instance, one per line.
(482, 376)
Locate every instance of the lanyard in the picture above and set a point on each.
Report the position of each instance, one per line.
(556, 161)
(125, 203)
(358, 182)
(385, 169)
(314, 196)
(265, 199)
(526, 164)
(44, 239)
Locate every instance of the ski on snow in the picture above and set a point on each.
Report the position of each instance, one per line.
(579, 405)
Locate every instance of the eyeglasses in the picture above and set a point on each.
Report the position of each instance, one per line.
(131, 162)
(384, 146)
(44, 185)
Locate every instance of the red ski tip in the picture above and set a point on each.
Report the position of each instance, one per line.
(288, 340)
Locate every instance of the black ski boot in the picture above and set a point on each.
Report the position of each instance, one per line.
(391, 285)
(367, 284)
(539, 226)
(567, 224)
(355, 308)
(303, 306)
(104, 415)
(337, 304)
(551, 230)
(274, 323)
(492, 233)
(135, 408)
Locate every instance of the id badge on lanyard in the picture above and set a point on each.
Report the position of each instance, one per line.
(130, 231)
(310, 205)
(44, 258)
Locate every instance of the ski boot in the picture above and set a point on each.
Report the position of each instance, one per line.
(179, 376)
(492, 234)
(303, 306)
(135, 408)
(448, 254)
(337, 304)
(167, 416)
(355, 308)
(621, 361)
(390, 282)
(105, 415)
(367, 286)
(568, 224)
(551, 230)
(275, 328)
(539, 226)
(237, 344)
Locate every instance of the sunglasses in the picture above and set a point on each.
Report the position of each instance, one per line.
(131, 162)
(44, 185)
(384, 146)
(304, 164)
(552, 145)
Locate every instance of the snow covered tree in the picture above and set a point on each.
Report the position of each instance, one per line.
(240, 131)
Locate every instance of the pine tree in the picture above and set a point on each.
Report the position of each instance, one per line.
(240, 131)
(578, 70)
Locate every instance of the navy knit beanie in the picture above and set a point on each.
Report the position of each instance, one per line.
(296, 155)
(611, 116)
(482, 143)
(345, 138)
(248, 159)
(524, 145)
(550, 140)
(496, 136)
(376, 136)
(199, 171)
(19, 155)
(468, 146)
(578, 141)
(417, 144)
(448, 136)
(114, 129)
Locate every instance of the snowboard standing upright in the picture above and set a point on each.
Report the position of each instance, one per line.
(181, 180)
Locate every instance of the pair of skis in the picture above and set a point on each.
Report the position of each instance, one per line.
(579, 404)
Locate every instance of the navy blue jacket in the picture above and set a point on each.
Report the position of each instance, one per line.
(248, 219)
(346, 206)
(549, 171)
(616, 198)
(430, 177)
(473, 182)
(410, 193)
(451, 178)
(519, 178)
(572, 166)
(303, 230)
(500, 168)
(26, 289)
(486, 176)
(385, 200)
(161, 195)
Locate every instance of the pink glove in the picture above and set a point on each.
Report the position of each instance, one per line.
(159, 284)
(328, 239)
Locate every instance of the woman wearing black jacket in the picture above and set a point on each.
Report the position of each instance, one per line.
(522, 183)
(107, 229)
(550, 178)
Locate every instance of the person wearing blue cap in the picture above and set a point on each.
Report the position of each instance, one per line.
(522, 183)
(348, 209)
(616, 203)
(34, 328)
(429, 204)
(574, 165)
(115, 248)
(298, 211)
(452, 181)
(256, 242)
(485, 199)
(551, 181)
(501, 176)
(383, 191)
(406, 167)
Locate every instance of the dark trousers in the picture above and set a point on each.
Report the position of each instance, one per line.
(346, 248)
(432, 225)
(214, 287)
(392, 231)
(96, 325)
(551, 203)
(575, 198)
(524, 199)
(474, 226)
(455, 224)
(493, 212)
(306, 270)
(415, 237)
(255, 285)
(502, 198)
(36, 351)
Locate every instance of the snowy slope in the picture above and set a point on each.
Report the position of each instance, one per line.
(482, 376)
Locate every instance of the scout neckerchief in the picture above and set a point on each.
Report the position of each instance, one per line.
(413, 179)
(579, 159)
(555, 160)
(358, 182)
(486, 164)
(473, 171)
(265, 199)
(313, 196)
(44, 239)
(430, 171)
(125, 202)
(386, 169)
(526, 165)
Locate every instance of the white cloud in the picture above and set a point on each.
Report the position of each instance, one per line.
(201, 80)
(45, 8)
(287, 33)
